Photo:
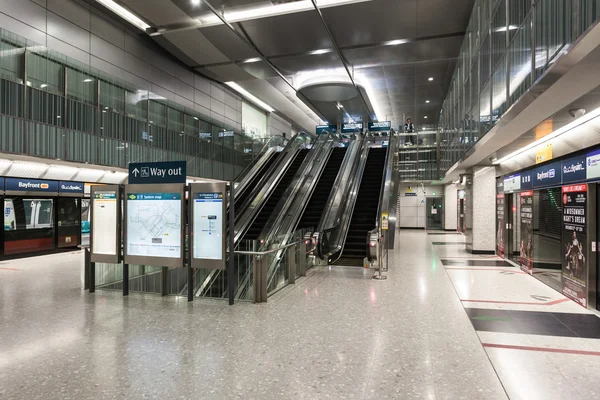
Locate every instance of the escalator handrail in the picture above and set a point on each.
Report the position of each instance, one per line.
(266, 187)
(385, 178)
(344, 214)
(273, 142)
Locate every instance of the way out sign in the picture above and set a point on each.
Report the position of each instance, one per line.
(157, 172)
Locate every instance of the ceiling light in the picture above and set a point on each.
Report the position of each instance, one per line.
(270, 10)
(503, 28)
(396, 42)
(250, 96)
(88, 80)
(252, 60)
(430, 78)
(124, 13)
(195, 2)
(43, 85)
(427, 101)
(550, 136)
(196, 118)
(320, 51)
(425, 117)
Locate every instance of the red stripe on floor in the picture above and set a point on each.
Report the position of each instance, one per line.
(550, 303)
(10, 269)
(546, 349)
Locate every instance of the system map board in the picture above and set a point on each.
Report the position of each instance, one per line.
(105, 238)
(154, 225)
(208, 225)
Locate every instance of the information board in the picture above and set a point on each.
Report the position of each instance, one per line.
(208, 229)
(500, 225)
(574, 240)
(154, 225)
(105, 230)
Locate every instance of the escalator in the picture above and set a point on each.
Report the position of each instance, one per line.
(364, 216)
(261, 219)
(316, 205)
(243, 198)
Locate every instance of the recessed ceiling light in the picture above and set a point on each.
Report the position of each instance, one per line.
(124, 13)
(252, 60)
(43, 85)
(425, 117)
(320, 51)
(250, 96)
(396, 42)
(196, 118)
(430, 78)
(427, 101)
(196, 2)
(88, 80)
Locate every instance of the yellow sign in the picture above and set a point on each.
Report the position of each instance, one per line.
(384, 221)
(544, 154)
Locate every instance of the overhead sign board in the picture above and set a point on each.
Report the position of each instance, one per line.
(226, 134)
(352, 127)
(526, 180)
(31, 185)
(512, 183)
(593, 165)
(105, 230)
(208, 225)
(547, 175)
(324, 129)
(71, 187)
(544, 154)
(157, 172)
(154, 225)
(204, 135)
(379, 126)
(573, 169)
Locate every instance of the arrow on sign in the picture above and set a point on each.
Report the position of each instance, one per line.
(488, 318)
(135, 172)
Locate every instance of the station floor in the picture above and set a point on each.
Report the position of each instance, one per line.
(444, 325)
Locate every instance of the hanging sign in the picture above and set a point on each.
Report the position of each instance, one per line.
(574, 240)
(380, 126)
(544, 154)
(526, 244)
(512, 183)
(573, 169)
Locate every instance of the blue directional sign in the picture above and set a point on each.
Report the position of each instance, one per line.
(157, 172)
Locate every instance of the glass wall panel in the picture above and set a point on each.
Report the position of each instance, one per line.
(498, 37)
(112, 97)
(45, 74)
(517, 10)
(547, 231)
(11, 62)
(499, 91)
(45, 107)
(520, 62)
(81, 86)
(484, 61)
(485, 110)
(11, 98)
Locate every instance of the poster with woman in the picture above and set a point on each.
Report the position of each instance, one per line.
(526, 244)
(574, 240)
(500, 225)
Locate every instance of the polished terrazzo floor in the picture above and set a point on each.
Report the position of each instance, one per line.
(541, 344)
(335, 334)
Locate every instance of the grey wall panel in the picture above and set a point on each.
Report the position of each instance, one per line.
(135, 80)
(202, 84)
(161, 78)
(68, 50)
(26, 11)
(217, 106)
(184, 75)
(21, 29)
(202, 99)
(106, 67)
(217, 93)
(202, 110)
(67, 32)
(229, 100)
(232, 113)
(184, 102)
(107, 31)
(134, 46)
(71, 11)
(184, 90)
(217, 118)
(161, 91)
(40, 2)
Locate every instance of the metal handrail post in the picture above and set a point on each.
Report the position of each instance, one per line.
(291, 264)
(301, 258)
(260, 279)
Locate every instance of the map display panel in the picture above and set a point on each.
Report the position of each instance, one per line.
(154, 224)
(208, 226)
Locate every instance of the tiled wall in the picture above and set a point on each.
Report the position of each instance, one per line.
(277, 126)
(484, 213)
(450, 207)
(76, 30)
(412, 208)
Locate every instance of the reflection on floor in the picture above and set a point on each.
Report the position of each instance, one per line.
(542, 345)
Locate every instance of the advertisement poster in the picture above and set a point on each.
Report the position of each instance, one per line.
(104, 224)
(526, 244)
(208, 226)
(500, 223)
(154, 224)
(574, 239)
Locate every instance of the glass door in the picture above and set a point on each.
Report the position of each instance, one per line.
(434, 213)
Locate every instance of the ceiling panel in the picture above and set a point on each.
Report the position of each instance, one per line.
(159, 12)
(308, 64)
(196, 46)
(229, 43)
(288, 34)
